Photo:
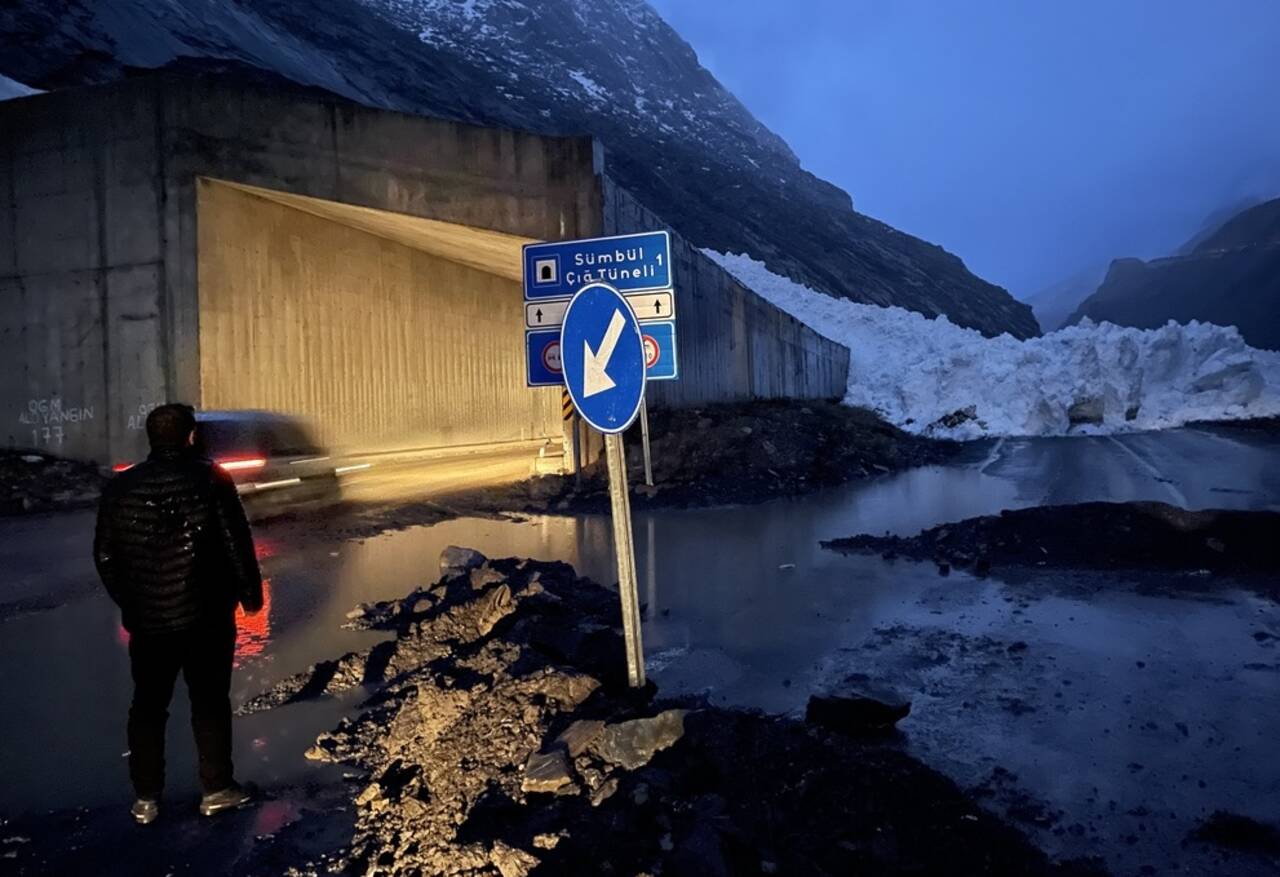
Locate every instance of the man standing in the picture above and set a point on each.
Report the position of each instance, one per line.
(175, 553)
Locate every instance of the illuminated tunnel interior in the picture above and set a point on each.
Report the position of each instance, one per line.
(386, 331)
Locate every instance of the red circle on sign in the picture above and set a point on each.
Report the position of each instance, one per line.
(652, 352)
(551, 357)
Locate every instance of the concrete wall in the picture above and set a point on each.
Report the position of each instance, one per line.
(382, 345)
(99, 227)
(732, 344)
(82, 271)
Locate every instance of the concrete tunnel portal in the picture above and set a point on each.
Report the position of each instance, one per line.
(386, 331)
(170, 238)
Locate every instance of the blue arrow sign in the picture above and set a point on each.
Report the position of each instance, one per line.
(628, 263)
(602, 355)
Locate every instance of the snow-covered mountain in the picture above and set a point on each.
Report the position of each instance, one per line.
(685, 146)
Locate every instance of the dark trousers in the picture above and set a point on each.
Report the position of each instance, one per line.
(204, 655)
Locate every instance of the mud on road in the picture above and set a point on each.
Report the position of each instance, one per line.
(1149, 536)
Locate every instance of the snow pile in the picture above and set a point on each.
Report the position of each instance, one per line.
(12, 88)
(933, 377)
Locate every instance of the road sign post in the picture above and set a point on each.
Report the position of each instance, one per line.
(624, 548)
(644, 443)
(603, 358)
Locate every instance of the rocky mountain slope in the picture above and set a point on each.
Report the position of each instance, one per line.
(1215, 221)
(613, 68)
(1231, 278)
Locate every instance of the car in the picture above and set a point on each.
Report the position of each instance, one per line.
(273, 458)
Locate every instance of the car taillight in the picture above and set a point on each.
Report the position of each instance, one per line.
(121, 467)
(242, 465)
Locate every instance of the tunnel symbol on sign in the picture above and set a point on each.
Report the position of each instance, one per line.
(546, 271)
(652, 352)
(551, 357)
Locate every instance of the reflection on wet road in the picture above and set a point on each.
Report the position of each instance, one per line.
(742, 603)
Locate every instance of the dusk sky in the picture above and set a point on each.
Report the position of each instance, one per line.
(1033, 139)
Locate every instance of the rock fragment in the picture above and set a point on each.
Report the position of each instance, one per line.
(580, 735)
(547, 772)
(857, 713)
(455, 560)
(633, 744)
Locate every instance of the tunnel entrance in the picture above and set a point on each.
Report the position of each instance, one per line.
(389, 332)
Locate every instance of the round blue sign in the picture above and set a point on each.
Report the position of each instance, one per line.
(602, 354)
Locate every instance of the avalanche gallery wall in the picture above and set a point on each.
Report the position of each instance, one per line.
(167, 239)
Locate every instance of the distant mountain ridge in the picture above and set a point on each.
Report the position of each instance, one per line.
(678, 140)
(1054, 304)
(1231, 277)
(1215, 221)
(1256, 226)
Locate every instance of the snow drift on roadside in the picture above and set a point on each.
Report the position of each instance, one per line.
(931, 376)
(12, 88)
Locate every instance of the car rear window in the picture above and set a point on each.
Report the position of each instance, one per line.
(288, 438)
(219, 439)
(223, 438)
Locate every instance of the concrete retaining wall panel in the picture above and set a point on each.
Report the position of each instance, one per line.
(77, 226)
(135, 356)
(53, 394)
(733, 344)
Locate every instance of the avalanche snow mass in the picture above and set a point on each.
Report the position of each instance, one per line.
(933, 377)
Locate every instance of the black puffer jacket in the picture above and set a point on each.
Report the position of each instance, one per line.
(173, 546)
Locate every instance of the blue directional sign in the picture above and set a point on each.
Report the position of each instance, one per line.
(661, 363)
(603, 357)
(628, 263)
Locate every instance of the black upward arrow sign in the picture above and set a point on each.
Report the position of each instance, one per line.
(657, 305)
(539, 315)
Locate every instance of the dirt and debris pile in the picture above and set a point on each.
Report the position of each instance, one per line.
(737, 453)
(500, 738)
(1095, 535)
(31, 481)
(740, 451)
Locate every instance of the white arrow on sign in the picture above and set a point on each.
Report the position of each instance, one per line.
(659, 305)
(544, 314)
(594, 377)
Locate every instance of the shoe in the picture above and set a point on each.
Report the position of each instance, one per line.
(230, 798)
(145, 810)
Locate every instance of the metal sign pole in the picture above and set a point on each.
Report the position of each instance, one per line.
(624, 548)
(576, 428)
(644, 441)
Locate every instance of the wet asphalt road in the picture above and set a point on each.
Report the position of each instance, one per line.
(1127, 717)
